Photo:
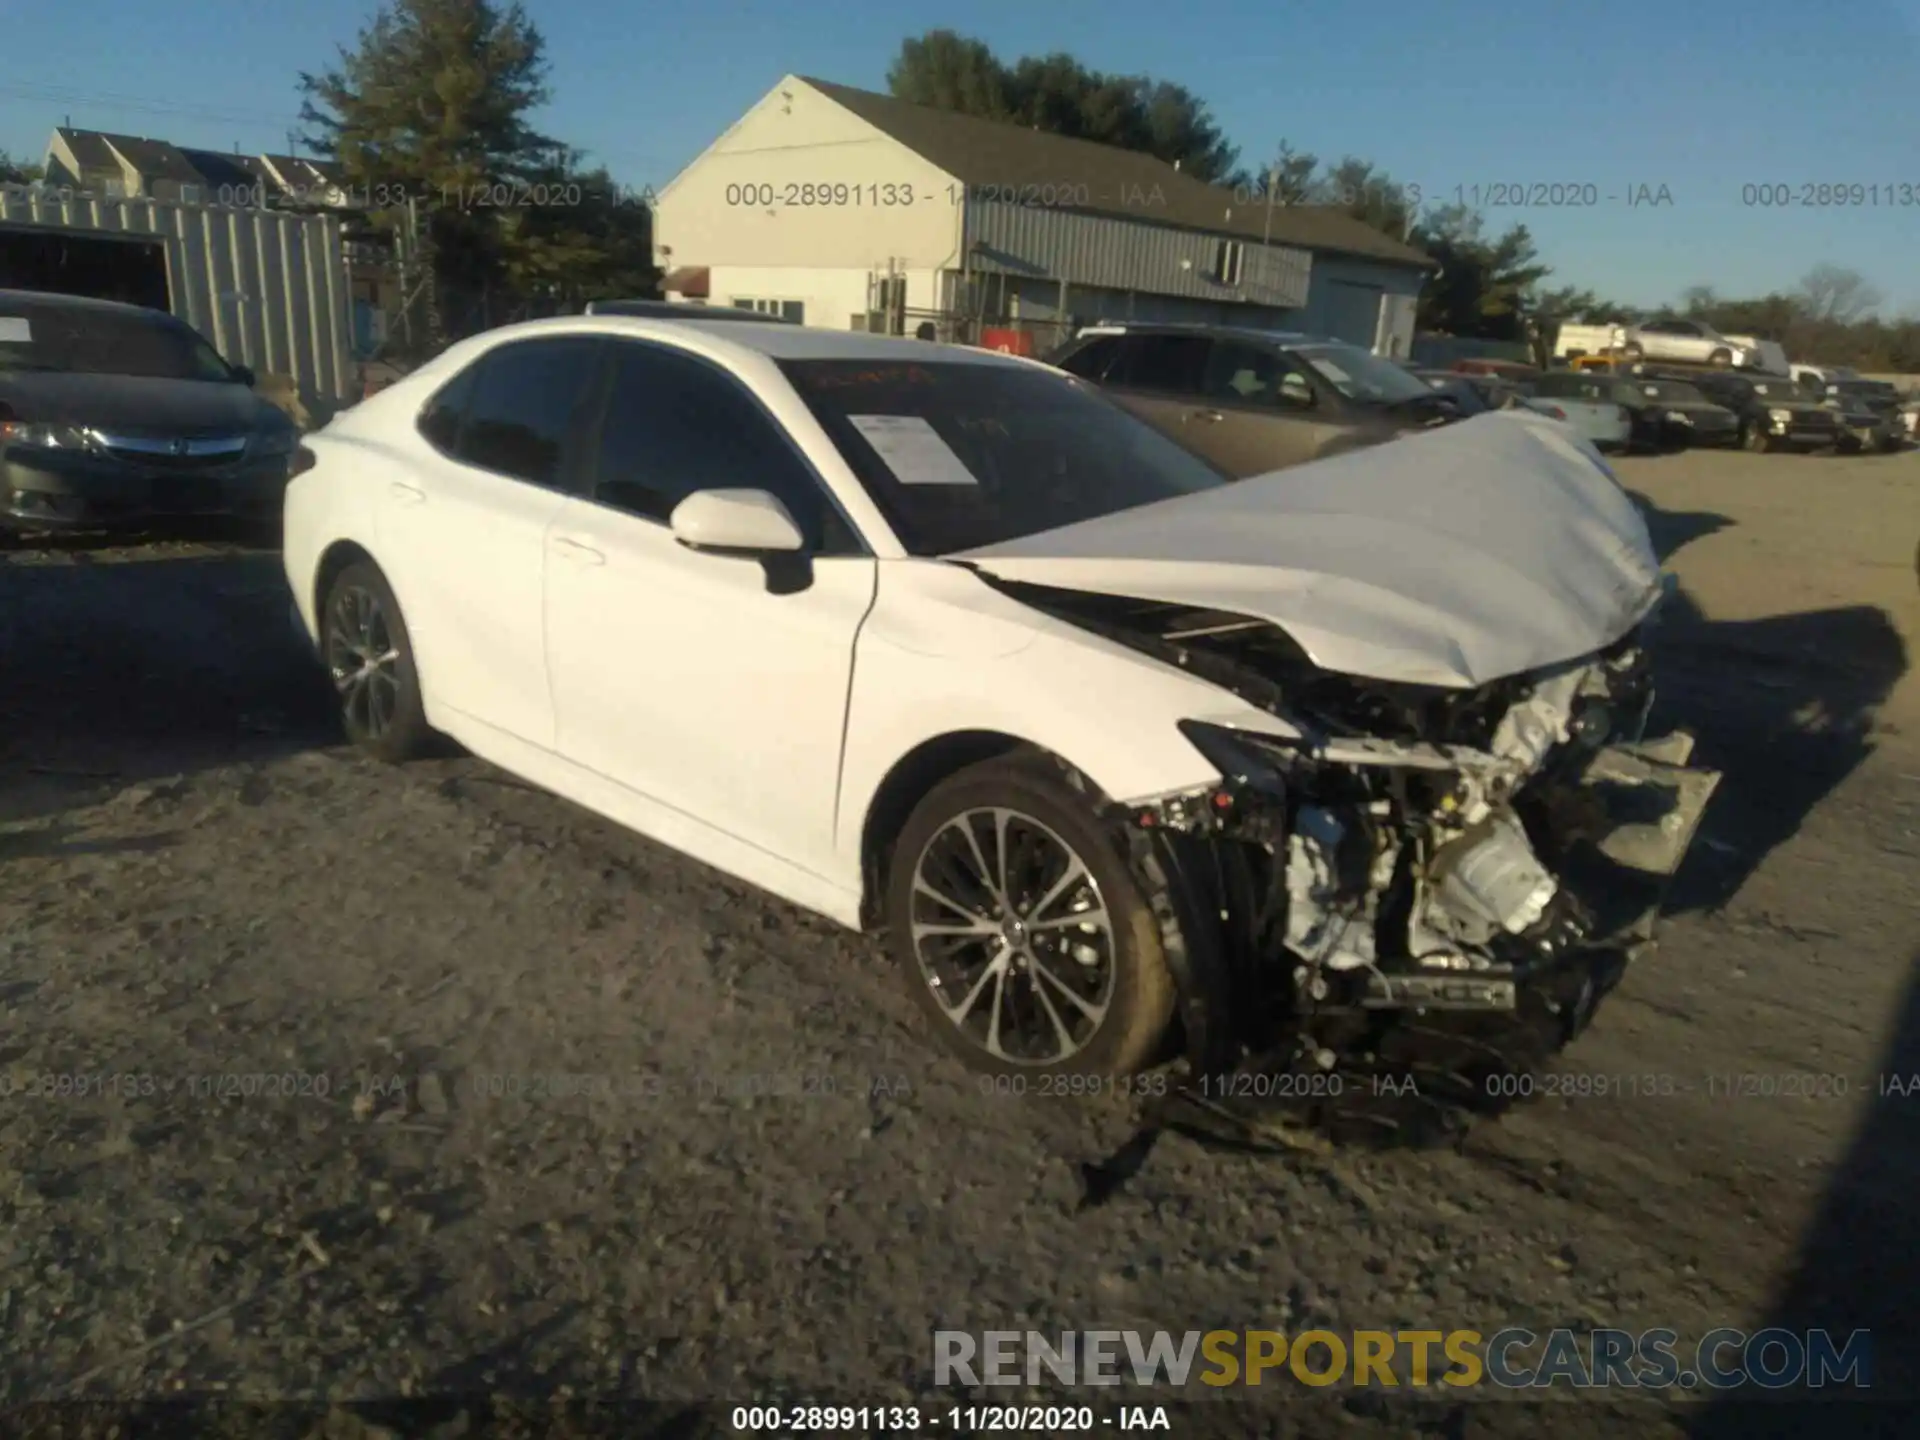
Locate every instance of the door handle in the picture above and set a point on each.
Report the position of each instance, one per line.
(580, 554)
(407, 494)
(1210, 417)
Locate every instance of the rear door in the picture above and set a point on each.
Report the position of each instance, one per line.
(463, 534)
(1158, 377)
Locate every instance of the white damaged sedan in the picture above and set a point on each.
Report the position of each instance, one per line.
(1126, 759)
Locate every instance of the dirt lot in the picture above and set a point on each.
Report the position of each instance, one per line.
(197, 882)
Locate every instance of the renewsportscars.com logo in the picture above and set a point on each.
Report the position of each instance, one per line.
(1512, 1358)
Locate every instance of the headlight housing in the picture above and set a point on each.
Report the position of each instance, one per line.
(49, 437)
(273, 443)
(1780, 417)
(1679, 417)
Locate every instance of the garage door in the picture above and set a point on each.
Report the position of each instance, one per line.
(1353, 312)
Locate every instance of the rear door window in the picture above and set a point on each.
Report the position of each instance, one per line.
(441, 417)
(527, 404)
(1094, 359)
(1171, 364)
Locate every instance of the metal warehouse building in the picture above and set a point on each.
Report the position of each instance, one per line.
(842, 208)
(267, 287)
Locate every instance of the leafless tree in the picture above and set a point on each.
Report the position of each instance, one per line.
(1836, 294)
(1698, 299)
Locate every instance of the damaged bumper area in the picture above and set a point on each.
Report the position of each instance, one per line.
(1489, 848)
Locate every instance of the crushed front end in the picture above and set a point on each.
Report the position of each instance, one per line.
(1473, 864)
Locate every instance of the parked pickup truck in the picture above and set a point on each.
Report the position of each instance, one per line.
(1574, 341)
(1843, 384)
(1772, 412)
(1865, 426)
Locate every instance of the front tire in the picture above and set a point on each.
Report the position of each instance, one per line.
(1721, 358)
(369, 655)
(1755, 439)
(1021, 931)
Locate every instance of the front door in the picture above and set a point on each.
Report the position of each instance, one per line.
(714, 684)
(1262, 411)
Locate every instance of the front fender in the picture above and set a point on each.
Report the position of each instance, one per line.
(1002, 667)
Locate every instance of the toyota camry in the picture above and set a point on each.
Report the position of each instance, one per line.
(1127, 760)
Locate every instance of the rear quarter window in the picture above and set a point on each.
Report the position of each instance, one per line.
(1093, 359)
(441, 416)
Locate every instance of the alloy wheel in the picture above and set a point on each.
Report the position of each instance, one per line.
(363, 659)
(1012, 937)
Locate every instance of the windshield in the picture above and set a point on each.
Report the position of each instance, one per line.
(962, 455)
(84, 341)
(1360, 375)
(1676, 392)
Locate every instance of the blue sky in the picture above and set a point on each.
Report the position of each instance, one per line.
(1703, 97)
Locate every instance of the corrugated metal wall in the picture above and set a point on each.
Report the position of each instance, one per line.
(1040, 300)
(1115, 254)
(268, 288)
(1350, 297)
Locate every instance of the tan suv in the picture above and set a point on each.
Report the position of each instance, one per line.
(1254, 400)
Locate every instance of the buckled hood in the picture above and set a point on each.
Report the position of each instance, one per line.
(1454, 557)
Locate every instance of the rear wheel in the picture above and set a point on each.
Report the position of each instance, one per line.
(1721, 357)
(1021, 931)
(364, 641)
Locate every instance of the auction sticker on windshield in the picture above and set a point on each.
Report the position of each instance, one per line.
(913, 450)
(14, 329)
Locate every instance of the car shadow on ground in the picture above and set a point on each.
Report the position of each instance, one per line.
(1785, 706)
(1674, 530)
(133, 666)
(1857, 1267)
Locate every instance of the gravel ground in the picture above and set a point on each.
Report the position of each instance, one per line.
(793, 1188)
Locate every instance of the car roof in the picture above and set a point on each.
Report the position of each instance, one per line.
(1237, 332)
(673, 310)
(735, 339)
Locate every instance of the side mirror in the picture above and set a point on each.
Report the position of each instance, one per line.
(749, 522)
(244, 374)
(1295, 391)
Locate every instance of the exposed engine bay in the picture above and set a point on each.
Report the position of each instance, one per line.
(1413, 848)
